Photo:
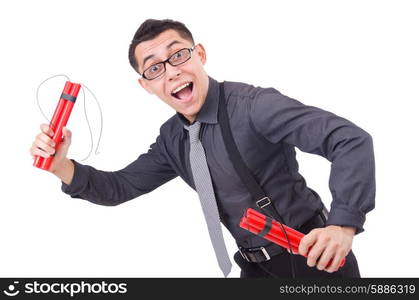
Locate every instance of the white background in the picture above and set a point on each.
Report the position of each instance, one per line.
(358, 59)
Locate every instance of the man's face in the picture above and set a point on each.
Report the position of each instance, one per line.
(190, 99)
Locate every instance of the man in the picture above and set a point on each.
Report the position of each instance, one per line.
(266, 127)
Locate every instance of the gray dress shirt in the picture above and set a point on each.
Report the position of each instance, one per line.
(267, 126)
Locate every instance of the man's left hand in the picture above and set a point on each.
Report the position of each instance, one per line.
(322, 245)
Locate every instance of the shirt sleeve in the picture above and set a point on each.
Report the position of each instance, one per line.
(349, 149)
(149, 171)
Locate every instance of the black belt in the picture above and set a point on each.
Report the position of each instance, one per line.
(265, 253)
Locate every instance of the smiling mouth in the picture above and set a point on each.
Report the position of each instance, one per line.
(183, 92)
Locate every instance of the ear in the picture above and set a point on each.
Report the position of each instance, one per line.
(202, 53)
(145, 86)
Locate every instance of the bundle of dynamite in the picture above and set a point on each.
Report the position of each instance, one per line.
(273, 231)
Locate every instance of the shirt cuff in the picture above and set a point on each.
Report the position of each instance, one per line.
(346, 216)
(79, 181)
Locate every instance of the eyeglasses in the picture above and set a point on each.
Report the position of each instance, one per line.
(175, 59)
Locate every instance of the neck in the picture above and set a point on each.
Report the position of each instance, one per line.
(191, 119)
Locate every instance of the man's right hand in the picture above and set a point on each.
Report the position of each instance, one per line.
(44, 146)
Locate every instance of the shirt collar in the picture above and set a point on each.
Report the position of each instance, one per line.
(209, 110)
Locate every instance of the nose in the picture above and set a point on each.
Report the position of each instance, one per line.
(172, 71)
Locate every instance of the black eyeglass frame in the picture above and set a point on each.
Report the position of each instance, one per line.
(168, 61)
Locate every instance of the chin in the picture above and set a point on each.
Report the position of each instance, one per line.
(189, 109)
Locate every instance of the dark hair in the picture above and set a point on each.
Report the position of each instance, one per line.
(151, 28)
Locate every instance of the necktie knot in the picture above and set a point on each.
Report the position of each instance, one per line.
(194, 131)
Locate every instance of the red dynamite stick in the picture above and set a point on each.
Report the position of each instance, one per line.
(274, 239)
(252, 223)
(281, 242)
(59, 120)
(269, 237)
(280, 237)
(290, 230)
(293, 236)
(255, 222)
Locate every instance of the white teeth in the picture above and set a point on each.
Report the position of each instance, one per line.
(180, 87)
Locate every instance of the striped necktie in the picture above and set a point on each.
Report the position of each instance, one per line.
(203, 185)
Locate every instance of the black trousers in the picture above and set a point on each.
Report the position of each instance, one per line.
(280, 266)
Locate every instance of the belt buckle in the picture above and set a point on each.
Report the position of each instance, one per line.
(267, 257)
(262, 249)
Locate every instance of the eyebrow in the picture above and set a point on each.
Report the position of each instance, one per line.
(167, 47)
